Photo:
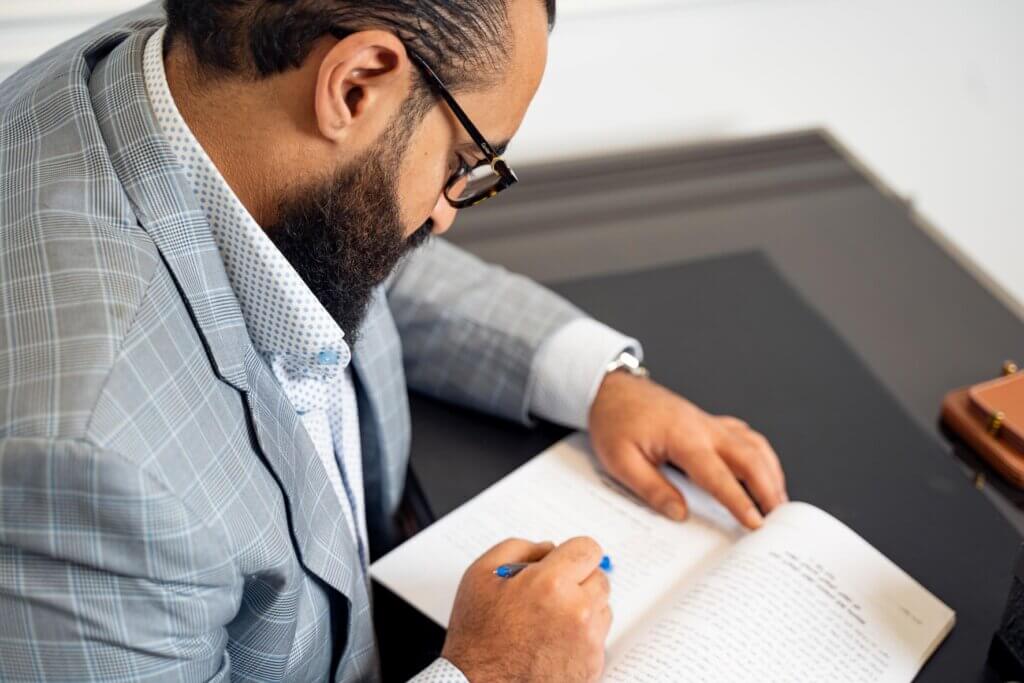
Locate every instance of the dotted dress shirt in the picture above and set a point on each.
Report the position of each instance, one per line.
(289, 327)
(306, 349)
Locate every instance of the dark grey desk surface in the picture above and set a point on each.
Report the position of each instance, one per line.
(916, 317)
(922, 319)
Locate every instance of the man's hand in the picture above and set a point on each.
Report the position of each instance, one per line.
(637, 425)
(547, 623)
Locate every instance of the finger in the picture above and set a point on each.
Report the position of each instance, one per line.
(764, 450)
(629, 466)
(598, 588)
(712, 474)
(515, 550)
(776, 464)
(733, 423)
(751, 465)
(603, 622)
(598, 627)
(575, 560)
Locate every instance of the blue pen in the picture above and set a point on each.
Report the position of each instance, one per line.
(507, 571)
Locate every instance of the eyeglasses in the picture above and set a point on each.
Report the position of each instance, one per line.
(469, 185)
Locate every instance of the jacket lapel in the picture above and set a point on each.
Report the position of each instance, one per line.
(383, 410)
(167, 209)
(328, 548)
(165, 204)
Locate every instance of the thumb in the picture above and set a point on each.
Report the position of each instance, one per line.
(516, 550)
(630, 467)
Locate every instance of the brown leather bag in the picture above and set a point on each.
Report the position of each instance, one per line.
(989, 417)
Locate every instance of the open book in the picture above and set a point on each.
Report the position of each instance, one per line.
(802, 599)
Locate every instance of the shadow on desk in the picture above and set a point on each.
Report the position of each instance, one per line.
(408, 640)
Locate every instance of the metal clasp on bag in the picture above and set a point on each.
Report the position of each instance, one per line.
(996, 420)
(995, 423)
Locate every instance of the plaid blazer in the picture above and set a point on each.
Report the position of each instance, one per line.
(163, 514)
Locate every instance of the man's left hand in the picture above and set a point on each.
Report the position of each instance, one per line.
(637, 425)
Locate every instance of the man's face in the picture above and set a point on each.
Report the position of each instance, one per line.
(498, 111)
(346, 233)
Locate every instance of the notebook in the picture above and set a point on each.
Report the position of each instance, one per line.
(802, 599)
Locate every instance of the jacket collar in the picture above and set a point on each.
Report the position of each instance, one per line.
(288, 325)
(165, 204)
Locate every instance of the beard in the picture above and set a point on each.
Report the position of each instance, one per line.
(344, 235)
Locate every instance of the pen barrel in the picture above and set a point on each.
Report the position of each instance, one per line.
(507, 571)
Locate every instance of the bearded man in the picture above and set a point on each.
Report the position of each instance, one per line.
(219, 282)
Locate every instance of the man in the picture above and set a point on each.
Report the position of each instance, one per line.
(212, 308)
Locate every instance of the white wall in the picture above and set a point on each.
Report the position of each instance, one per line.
(929, 93)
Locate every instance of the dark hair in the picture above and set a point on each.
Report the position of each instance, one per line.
(467, 42)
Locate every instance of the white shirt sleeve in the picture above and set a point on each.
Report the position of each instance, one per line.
(569, 368)
(441, 671)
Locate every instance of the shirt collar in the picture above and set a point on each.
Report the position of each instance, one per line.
(288, 325)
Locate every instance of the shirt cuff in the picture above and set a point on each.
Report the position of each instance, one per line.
(569, 368)
(441, 671)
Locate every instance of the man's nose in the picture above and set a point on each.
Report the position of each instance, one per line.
(443, 215)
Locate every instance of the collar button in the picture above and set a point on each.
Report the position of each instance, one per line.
(328, 357)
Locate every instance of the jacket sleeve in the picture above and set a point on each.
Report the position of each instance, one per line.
(105, 574)
(470, 331)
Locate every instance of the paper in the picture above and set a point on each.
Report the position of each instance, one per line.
(802, 599)
(805, 601)
(554, 497)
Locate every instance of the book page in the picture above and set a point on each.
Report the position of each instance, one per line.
(556, 496)
(804, 599)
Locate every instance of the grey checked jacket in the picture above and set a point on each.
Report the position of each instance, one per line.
(163, 514)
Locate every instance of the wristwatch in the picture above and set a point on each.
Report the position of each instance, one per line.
(627, 362)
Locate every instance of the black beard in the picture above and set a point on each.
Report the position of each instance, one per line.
(345, 236)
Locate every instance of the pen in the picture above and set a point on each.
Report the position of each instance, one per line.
(507, 571)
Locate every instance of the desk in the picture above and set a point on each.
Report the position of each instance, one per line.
(853, 251)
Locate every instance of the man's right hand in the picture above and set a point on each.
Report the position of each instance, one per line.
(547, 623)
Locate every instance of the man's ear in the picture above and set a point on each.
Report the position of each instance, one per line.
(362, 81)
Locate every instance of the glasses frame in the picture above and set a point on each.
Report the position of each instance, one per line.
(506, 176)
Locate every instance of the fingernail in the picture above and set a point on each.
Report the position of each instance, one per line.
(675, 511)
(752, 518)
